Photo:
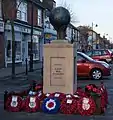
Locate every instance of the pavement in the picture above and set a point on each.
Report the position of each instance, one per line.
(6, 72)
(22, 82)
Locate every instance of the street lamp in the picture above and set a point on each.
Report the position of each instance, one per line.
(92, 32)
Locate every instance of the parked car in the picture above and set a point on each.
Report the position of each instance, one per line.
(111, 50)
(101, 55)
(88, 67)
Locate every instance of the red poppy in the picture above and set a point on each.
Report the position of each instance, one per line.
(58, 95)
(41, 95)
(39, 87)
(68, 106)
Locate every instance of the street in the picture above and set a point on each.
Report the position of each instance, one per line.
(23, 82)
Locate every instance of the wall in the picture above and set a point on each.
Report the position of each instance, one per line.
(9, 9)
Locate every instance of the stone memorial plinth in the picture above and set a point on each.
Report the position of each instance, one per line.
(59, 67)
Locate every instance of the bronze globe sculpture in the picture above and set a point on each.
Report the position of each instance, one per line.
(60, 18)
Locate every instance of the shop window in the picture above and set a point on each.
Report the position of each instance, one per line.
(9, 51)
(17, 50)
(35, 50)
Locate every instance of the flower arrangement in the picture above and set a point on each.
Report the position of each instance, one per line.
(83, 101)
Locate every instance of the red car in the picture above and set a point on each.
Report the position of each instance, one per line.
(88, 67)
(101, 55)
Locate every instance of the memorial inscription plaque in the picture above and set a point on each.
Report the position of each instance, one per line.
(57, 71)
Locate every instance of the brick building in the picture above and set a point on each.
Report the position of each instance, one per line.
(21, 14)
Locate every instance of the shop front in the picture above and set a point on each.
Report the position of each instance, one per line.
(22, 45)
(48, 37)
(8, 47)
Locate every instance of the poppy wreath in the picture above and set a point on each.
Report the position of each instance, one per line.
(51, 105)
(90, 87)
(80, 92)
(41, 95)
(104, 98)
(39, 87)
(86, 106)
(93, 90)
(58, 95)
(77, 97)
(23, 93)
(31, 104)
(48, 95)
(104, 91)
(103, 103)
(14, 103)
(68, 106)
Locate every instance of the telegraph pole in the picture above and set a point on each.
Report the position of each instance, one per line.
(13, 49)
(31, 45)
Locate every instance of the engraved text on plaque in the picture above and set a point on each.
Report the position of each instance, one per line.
(57, 71)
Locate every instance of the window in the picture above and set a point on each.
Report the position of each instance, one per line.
(9, 50)
(47, 24)
(96, 53)
(80, 58)
(35, 48)
(22, 10)
(89, 53)
(17, 50)
(39, 17)
(104, 52)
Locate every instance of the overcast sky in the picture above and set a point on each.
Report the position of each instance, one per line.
(97, 11)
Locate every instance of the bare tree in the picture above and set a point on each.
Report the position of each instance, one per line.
(73, 15)
(7, 7)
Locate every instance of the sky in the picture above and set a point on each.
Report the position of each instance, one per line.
(99, 12)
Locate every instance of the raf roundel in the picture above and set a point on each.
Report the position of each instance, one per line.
(51, 105)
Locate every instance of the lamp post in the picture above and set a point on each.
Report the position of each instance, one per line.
(31, 44)
(92, 32)
(92, 35)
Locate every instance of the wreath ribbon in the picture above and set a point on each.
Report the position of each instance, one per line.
(31, 104)
(86, 106)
